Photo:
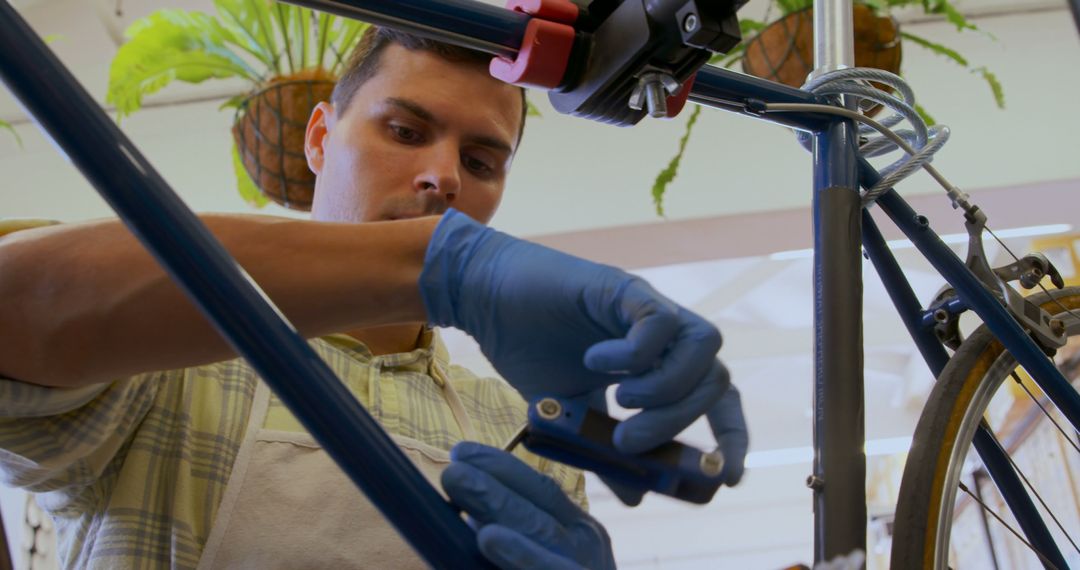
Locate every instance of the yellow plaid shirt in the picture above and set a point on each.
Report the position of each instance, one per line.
(133, 471)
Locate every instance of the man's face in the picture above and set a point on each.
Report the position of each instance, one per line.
(422, 135)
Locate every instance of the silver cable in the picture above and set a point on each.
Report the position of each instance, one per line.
(920, 158)
(1046, 561)
(919, 142)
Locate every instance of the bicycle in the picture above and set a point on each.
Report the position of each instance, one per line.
(1017, 330)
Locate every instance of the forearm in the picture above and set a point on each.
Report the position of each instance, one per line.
(86, 303)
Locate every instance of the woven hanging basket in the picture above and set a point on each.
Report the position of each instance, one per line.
(269, 132)
(784, 51)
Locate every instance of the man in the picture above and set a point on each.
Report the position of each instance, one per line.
(150, 447)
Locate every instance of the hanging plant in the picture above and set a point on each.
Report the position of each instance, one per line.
(290, 57)
(781, 50)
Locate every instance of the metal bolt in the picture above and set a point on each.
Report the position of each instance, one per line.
(1057, 326)
(814, 482)
(656, 99)
(941, 315)
(712, 463)
(549, 408)
(651, 93)
(690, 22)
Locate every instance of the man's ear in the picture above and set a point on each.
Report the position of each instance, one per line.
(318, 130)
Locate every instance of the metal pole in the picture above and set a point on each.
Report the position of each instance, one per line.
(839, 478)
(834, 46)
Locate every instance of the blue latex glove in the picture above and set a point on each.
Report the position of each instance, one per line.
(522, 518)
(554, 324)
(728, 427)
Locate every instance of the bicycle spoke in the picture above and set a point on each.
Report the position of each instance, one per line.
(1045, 412)
(1042, 502)
(1015, 533)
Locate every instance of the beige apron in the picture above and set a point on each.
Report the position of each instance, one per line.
(288, 505)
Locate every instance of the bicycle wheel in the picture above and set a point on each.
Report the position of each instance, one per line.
(942, 457)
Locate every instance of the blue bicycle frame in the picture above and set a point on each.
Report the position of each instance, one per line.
(434, 528)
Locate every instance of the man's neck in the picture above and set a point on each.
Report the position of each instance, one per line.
(390, 339)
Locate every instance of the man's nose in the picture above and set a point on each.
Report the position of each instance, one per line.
(440, 172)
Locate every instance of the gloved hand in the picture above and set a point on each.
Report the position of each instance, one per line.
(554, 324)
(522, 518)
(729, 428)
(732, 439)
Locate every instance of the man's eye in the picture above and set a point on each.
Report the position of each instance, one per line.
(405, 134)
(476, 165)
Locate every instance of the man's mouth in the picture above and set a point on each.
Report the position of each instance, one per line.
(434, 209)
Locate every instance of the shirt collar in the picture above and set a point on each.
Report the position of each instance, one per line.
(429, 346)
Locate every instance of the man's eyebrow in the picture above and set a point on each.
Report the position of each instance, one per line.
(423, 114)
(414, 108)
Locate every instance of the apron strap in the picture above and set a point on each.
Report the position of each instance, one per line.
(461, 416)
(236, 479)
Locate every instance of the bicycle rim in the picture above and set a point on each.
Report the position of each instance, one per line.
(942, 441)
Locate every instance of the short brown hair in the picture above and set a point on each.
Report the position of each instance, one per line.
(364, 63)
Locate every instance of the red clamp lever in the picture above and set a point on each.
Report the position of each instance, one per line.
(545, 50)
(676, 102)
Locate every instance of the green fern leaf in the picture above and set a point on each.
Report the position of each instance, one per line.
(952, 15)
(347, 37)
(791, 6)
(995, 85)
(248, 190)
(726, 59)
(936, 48)
(241, 19)
(171, 45)
(750, 27)
(262, 12)
(282, 14)
(926, 117)
(323, 28)
(668, 174)
(531, 110)
(302, 33)
(252, 23)
(234, 102)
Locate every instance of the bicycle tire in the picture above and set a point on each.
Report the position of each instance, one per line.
(942, 438)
